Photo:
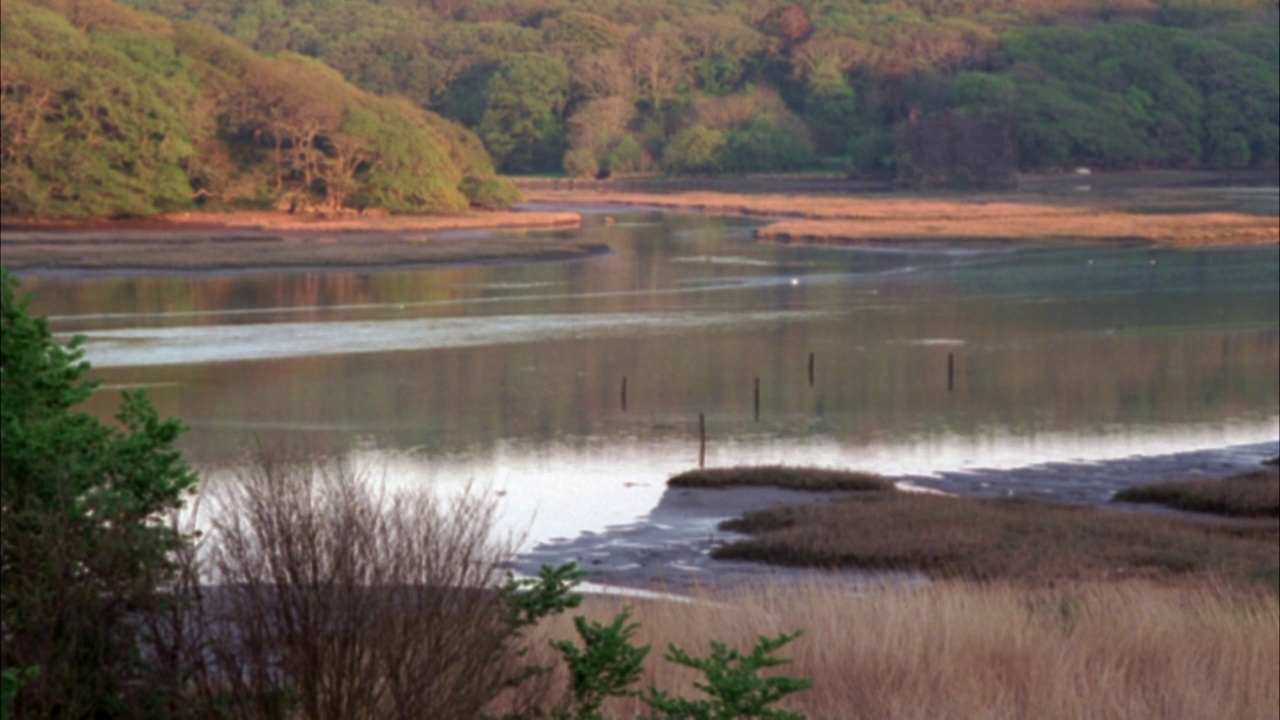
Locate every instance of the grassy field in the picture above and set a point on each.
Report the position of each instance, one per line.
(897, 219)
(1077, 649)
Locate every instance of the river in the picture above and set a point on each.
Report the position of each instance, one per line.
(510, 376)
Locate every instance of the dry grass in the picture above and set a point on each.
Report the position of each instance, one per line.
(1023, 540)
(1249, 494)
(959, 650)
(270, 240)
(858, 220)
(780, 476)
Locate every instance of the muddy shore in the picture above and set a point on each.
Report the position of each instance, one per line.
(266, 240)
(670, 548)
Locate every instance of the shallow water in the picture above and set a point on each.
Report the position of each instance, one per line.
(511, 375)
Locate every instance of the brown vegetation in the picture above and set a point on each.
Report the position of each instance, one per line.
(324, 593)
(861, 220)
(780, 476)
(274, 240)
(1254, 493)
(1009, 539)
(1200, 651)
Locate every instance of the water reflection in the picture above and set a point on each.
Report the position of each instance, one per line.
(491, 371)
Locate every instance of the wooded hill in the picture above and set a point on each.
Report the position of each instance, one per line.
(105, 111)
(109, 111)
(692, 86)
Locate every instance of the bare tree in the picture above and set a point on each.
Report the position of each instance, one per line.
(342, 600)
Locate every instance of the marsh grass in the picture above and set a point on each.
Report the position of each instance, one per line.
(1198, 650)
(826, 219)
(1251, 494)
(1006, 539)
(781, 476)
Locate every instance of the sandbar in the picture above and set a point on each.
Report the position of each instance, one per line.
(272, 240)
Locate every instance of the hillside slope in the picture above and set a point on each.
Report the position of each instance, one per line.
(109, 112)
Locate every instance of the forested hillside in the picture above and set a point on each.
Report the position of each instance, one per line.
(609, 86)
(105, 111)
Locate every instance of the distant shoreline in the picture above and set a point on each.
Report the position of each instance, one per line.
(274, 241)
(887, 218)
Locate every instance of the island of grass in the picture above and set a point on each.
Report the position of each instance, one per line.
(781, 476)
(1251, 494)
(880, 528)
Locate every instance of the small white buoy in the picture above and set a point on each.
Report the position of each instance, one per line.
(1090, 261)
(1153, 261)
(795, 281)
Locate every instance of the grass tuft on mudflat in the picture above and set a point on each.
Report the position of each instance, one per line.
(1251, 494)
(1006, 539)
(781, 476)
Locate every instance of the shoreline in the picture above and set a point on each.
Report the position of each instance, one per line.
(669, 548)
(210, 242)
(837, 220)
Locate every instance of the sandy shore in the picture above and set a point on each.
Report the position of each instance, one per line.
(853, 220)
(260, 240)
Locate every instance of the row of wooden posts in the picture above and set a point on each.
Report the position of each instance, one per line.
(702, 418)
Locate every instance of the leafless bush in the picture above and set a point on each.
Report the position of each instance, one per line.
(340, 600)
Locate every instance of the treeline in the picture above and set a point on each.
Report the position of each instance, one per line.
(105, 111)
(695, 86)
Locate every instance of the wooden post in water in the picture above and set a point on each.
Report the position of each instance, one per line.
(624, 393)
(951, 372)
(810, 369)
(757, 400)
(702, 441)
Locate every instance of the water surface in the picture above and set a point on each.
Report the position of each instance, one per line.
(511, 375)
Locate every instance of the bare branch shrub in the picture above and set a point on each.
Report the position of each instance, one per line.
(340, 600)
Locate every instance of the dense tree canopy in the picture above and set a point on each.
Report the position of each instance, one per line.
(1109, 83)
(105, 111)
(596, 88)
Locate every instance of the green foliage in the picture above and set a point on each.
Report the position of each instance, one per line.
(606, 665)
(522, 124)
(767, 145)
(108, 112)
(11, 682)
(694, 150)
(733, 683)
(551, 593)
(1175, 83)
(84, 546)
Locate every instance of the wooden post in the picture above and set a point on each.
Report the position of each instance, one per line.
(951, 372)
(624, 393)
(757, 400)
(702, 441)
(810, 369)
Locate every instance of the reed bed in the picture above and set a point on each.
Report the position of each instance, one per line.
(859, 220)
(967, 650)
(1248, 494)
(1013, 539)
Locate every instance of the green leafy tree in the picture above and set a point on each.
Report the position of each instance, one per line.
(522, 125)
(694, 150)
(733, 683)
(84, 551)
(606, 665)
